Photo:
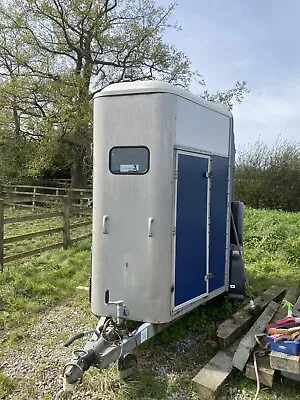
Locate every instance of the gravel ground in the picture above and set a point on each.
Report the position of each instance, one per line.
(36, 361)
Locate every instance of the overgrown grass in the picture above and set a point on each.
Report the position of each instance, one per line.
(272, 248)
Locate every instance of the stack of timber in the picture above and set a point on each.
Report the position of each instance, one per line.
(266, 372)
(236, 339)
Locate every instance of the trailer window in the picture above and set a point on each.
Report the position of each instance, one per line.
(129, 160)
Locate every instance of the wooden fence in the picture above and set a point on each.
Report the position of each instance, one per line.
(43, 196)
(64, 212)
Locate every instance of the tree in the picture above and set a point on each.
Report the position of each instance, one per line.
(64, 51)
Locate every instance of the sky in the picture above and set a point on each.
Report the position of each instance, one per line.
(253, 40)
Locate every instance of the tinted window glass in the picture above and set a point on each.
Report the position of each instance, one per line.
(129, 160)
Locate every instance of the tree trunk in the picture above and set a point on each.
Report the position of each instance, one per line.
(78, 179)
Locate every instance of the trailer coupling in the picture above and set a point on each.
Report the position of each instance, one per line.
(111, 342)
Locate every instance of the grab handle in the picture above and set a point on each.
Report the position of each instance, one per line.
(150, 223)
(104, 224)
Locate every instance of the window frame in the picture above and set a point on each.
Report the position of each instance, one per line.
(129, 147)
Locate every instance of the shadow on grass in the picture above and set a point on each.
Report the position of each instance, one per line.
(145, 384)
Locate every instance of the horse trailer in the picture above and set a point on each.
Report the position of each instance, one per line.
(167, 234)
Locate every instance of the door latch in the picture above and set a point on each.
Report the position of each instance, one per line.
(208, 276)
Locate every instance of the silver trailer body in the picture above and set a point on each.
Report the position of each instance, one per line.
(154, 143)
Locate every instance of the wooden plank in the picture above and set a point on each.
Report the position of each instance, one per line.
(32, 252)
(265, 372)
(291, 296)
(79, 224)
(39, 196)
(26, 218)
(84, 212)
(234, 327)
(211, 378)
(20, 205)
(37, 187)
(80, 206)
(86, 236)
(248, 342)
(285, 362)
(1, 234)
(81, 190)
(28, 236)
(20, 200)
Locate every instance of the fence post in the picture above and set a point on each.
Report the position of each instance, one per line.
(66, 221)
(1, 234)
(33, 197)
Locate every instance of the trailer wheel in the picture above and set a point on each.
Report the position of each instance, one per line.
(127, 366)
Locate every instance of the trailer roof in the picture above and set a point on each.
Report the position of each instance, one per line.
(138, 87)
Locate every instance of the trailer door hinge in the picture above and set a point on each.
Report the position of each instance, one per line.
(174, 231)
(175, 175)
(208, 174)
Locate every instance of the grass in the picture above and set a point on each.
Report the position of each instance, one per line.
(272, 248)
(33, 286)
(30, 286)
(7, 386)
(272, 252)
(282, 390)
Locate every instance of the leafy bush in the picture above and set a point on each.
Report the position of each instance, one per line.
(269, 177)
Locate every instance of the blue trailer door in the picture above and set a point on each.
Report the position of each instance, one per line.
(190, 242)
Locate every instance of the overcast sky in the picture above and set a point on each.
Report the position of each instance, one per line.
(252, 40)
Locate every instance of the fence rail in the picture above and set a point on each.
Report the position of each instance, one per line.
(27, 218)
(27, 195)
(65, 212)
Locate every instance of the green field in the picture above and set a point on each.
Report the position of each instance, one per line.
(29, 290)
